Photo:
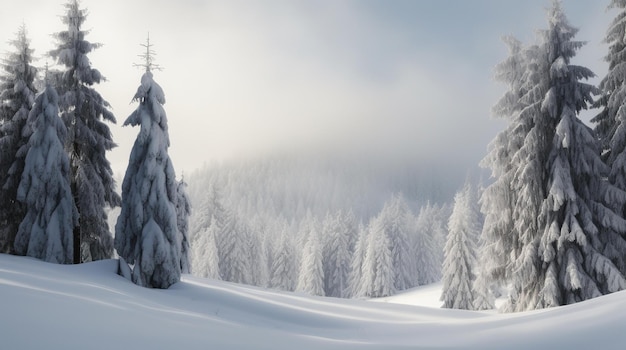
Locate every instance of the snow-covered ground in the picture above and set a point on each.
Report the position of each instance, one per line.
(46, 306)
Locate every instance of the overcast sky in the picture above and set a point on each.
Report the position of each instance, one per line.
(411, 78)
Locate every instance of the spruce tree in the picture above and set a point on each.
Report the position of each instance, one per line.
(283, 269)
(146, 233)
(340, 232)
(561, 220)
(46, 230)
(499, 200)
(311, 275)
(460, 255)
(378, 276)
(205, 257)
(17, 95)
(425, 245)
(355, 281)
(84, 112)
(611, 123)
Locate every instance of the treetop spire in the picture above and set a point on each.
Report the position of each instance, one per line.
(148, 57)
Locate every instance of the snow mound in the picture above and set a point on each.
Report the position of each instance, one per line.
(90, 306)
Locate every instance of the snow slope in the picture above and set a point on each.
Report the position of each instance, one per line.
(46, 306)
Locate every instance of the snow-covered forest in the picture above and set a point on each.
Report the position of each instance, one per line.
(541, 223)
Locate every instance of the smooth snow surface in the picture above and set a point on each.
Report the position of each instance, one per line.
(47, 306)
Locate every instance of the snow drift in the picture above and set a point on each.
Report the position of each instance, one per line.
(47, 306)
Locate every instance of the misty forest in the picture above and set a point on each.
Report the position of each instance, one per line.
(541, 224)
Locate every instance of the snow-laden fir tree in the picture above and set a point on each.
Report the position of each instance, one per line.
(259, 269)
(146, 233)
(232, 248)
(499, 200)
(205, 258)
(340, 230)
(46, 230)
(283, 269)
(576, 221)
(427, 245)
(84, 112)
(560, 219)
(611, 122)
(183, 210)
(377, 271)
(460, 254)
(17, 95)
(311, 273)
(394, 218)
(355, 280)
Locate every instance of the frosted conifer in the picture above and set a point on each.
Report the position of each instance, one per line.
(17, 95)
(46, 230)
(84, 111)
(146, 233)
(311, 275)
(460, 255)
(611, 125)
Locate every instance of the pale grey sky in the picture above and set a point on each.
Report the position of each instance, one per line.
(410, 78)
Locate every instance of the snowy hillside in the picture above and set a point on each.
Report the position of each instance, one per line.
(47, 306)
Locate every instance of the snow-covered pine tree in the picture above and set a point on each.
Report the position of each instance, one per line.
(232, 247)
(337, 254)
(355, 280)
(427, 249)
(257, 251)
(283, 270)
(499, 200)
(17, 95)
(576, 221)
(84, 111)
(205, 258)
(46, 230)
(183, 210)
(460, 255)
(311, 275)
(378, 275)
(611, 124)
(395, 217)
(146, 233)
(560, 218)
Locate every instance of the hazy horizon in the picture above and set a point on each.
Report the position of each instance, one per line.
(404, 79)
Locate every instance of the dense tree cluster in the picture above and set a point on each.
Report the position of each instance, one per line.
(333, 255)
(57, 185)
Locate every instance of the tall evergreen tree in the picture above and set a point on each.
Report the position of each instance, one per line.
(394, 218)
(460, 255)
(84, 111)
(17, 95)
(232, 247)
(183, 210)
(337, 262)
(283, 269)
(499, 200)
(356, 265)
(311, 276)
(611, 122)
(426, 246)
(46, 230)
(146, 233)
(205, 257)
(378, 276)
(561, 220)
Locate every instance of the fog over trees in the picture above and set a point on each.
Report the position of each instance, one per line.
(546, 228)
